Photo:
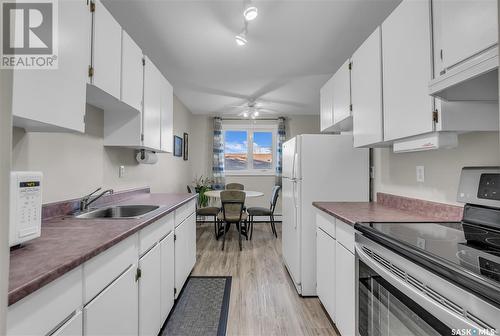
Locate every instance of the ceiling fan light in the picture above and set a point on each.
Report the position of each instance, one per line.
(250, 13)
(241, 39)
(256, 113)
(245, 114)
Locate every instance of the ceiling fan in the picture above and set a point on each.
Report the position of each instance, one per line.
(251, 109)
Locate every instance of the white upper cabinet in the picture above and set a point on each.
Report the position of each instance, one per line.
(407, 69)
(54, 100)
(326, 106)
(465, 40)
(341, 89)
(132, 72)
(366, 93)
(464, 28)
(151, 114)
(106, 51)
(167, 116)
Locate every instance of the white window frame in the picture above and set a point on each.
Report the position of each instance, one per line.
(250, 128)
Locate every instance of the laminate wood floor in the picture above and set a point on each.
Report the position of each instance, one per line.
(263, 298)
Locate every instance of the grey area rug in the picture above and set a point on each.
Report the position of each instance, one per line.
(201, 309)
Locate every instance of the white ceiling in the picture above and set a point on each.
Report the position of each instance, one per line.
(293, 48)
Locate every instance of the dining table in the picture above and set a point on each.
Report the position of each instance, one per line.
(248, 193)
(216, 194)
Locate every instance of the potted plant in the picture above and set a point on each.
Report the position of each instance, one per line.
(201, 185)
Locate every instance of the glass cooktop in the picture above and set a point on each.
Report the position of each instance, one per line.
(466, 253)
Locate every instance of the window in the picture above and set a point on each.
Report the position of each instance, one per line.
(249, 149)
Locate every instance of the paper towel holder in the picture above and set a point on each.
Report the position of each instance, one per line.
(147, 157)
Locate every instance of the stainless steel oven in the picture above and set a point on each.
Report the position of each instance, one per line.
(398, 297)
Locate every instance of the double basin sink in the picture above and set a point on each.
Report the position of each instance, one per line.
(119, 212)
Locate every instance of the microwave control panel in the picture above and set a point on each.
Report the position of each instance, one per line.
(25, 206)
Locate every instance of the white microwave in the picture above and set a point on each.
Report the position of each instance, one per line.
(25, 206)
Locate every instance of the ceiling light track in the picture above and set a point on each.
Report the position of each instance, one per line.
(250, 13)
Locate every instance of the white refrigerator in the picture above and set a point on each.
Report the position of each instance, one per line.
(316, 168)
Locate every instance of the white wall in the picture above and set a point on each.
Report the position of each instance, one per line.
(396, 173)
(5, 150)
(202, 129)
(75, 164)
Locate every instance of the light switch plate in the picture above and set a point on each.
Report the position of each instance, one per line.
(421, 174)
(121, 172)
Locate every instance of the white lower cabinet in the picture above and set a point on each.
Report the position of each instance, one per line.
(335, 271)
(149, 292)
(325, 268)
(43, 311)
(185, 251)
(167, 260)
(128, 289)
(114, 310)
(73, 327)
(345, 287)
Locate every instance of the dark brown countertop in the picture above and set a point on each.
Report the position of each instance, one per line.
(67, 242)
(353, 212)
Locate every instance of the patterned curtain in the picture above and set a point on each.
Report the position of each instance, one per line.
(218, 156)
(279, 157)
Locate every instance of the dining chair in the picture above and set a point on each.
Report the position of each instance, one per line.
(208, 212)
(235, 186)
(233, 202)
(260, 211)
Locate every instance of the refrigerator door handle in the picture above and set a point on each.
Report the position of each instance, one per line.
(295, 161)
(295, 203)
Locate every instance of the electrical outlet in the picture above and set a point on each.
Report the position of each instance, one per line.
(421, 174)
(121, 172)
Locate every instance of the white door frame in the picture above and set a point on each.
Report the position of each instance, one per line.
(5, 166)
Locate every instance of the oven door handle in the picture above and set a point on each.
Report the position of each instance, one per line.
(417, 296)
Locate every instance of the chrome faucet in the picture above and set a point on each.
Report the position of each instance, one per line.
(86, 201)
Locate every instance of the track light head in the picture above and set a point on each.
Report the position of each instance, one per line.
(250, 12)
(241, 38)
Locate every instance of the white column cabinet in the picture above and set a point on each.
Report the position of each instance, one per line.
(345, 286)
(106, 51)
(149, 292)
(167, 116)
(185, 251)
(341, 88)
(325, 268)
(132, 72)
(54, 100)
(406, 59)
(366, 95)
(114, 310)
(167, 274)
(151, 114)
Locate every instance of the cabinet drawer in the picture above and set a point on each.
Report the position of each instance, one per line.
(72, 327)
(101, 270)
(325, 222)
(153, 233)
(42, 311)
(184, 211)
(345, 235)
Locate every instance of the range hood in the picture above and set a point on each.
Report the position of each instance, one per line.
(428, 141)
(475, 79)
